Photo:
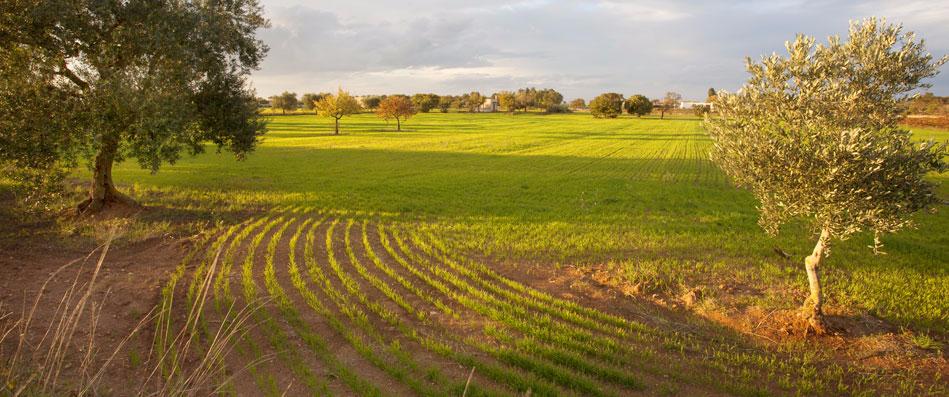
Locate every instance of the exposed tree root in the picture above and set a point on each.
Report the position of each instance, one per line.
(111, 198)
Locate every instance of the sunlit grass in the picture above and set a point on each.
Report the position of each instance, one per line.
(560, 189)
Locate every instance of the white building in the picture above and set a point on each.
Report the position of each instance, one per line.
(361, 99)
(490, 105)
(692, 104)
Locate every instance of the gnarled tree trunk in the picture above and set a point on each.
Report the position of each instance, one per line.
(102, 191)
(813, 311)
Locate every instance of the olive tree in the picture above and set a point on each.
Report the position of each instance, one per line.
(107, 81)
(638, 105)
(815, 136)
(287, 101)
(608, 105)
(337, 106)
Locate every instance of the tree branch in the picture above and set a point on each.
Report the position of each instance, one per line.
(65, 72)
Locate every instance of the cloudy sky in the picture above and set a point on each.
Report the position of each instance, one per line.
(581, 48)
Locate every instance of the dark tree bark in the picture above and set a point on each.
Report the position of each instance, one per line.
(102, 190)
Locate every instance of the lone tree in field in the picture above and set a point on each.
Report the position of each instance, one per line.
(124, 79)
(815, 136)
(396, 107)
(638, 105)
(669, 102)
(609, 105)
(337, 106)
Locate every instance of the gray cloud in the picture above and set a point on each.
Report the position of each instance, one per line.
(579, 47)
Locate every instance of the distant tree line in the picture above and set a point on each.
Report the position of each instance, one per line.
(423, 102)
(928, 104)
(607, 105)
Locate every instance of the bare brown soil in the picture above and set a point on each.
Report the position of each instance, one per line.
(126, 290)
(927, 121)
(856, 338)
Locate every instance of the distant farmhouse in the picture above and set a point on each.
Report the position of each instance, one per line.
(490, 104)
(692, 104)
(361, 100)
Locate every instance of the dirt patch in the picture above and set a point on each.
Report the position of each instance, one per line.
(857, 339)
(41, 269)
(927, 121)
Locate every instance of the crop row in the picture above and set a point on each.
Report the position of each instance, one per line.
(357, 305)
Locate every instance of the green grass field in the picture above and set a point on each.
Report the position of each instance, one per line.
(406, 225)
(563, 189)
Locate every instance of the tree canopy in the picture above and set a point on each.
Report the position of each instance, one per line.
(549, 98)
(815, 136)
(507, 101)
(473, 101)
(929, 104)
(425, 102)
(337, 106)
(669, 102)
(372, 102)
(445, 102)
(526, 98)
(638, 105)
(396, 107)
(309, 100)
(106, 81)
(608, 105)
(288, 101)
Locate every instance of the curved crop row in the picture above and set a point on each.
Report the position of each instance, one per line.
(355, 306)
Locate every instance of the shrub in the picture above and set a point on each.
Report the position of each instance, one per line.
(560, 108)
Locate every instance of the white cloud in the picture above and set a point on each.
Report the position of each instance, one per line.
(643, 11)
(579, 47)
